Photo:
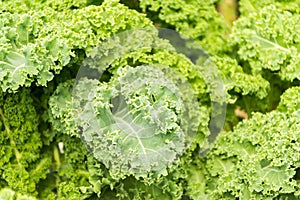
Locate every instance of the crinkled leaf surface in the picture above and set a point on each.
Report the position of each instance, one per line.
(132, 128)
(269, 39)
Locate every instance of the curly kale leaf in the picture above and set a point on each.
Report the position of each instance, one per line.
(145, 102)
(290, 100)
(195, 19)
(249, 6)
(9, 194)
(138, 105)
(268, 39)
(21, 6)
(22, 165)
(61, 114)
(137, 126)
(239, 82)
(37, 44)
(24, 55)
(259, 159)
(76, 174)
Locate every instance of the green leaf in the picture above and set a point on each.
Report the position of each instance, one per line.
(125, 122)
(267, 39)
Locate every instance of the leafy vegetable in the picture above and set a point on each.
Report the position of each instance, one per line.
(196, 19)
(99, 101)
(138, 122)
(143, 122)
(39, 44)
(260, 158)
(22, 163)
(267, 40)
(9, 194)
